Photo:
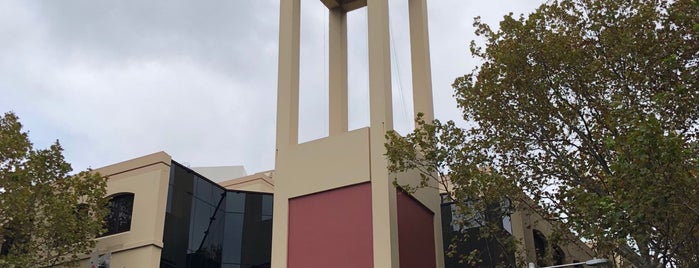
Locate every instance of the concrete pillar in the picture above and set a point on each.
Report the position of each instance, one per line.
(422, 93)
(420, 59)
(384, 214)
(337, 31)
(287, 113)
(288, 74)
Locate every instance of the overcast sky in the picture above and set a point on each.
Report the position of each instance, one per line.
(114, 80)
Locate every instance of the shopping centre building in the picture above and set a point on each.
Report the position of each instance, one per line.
(330, 202)
(165, 214)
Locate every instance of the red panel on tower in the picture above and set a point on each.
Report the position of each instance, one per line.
(415, 233)
(331, 229)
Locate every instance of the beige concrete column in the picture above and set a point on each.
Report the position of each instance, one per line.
(380, 105)
(287, 116)
(420, 58)
(384, 214)
(288, 74)
(422, 96)
(337, 31)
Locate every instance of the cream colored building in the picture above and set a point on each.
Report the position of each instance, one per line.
(334, 201)
(535, 233)
(149, 179)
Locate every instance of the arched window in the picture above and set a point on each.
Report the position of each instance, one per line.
(558, 255)
(540, 246)
(119, 218)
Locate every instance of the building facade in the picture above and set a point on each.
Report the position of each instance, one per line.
(163, 214)
(330, 202)
(214, 226)
(339, 186)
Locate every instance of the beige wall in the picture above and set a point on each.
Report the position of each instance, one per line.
(147, 178)
(261, 182)
(525, 220)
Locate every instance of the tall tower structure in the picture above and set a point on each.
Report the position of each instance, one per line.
(335, 204)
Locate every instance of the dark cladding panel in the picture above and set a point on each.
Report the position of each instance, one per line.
(209, 227)
(235, 202)
(248, 235)
(267, 205)
(233, 238)
(177, 219)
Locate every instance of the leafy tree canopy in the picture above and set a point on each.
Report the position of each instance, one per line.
(47, 215)
(591, 108)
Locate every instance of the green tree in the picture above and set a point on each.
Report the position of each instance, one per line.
(591, 108)
(47, 215)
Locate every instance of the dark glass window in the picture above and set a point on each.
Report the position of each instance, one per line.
(207, 226)
(558, 255)
(120, 209)
(540, 245)
(5, 246)
(8, 240)
(464, 232)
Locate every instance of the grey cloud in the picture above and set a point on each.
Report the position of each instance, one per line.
(218, 33)
(119, 79)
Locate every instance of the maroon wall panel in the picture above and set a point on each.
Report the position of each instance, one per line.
(331, 229)
(415, 233)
